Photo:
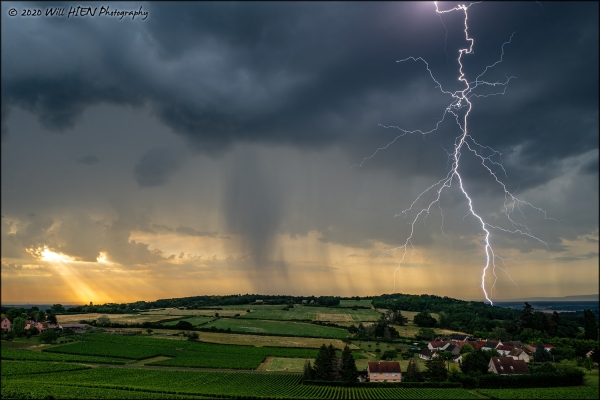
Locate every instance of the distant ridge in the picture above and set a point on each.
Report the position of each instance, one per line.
(583, 297)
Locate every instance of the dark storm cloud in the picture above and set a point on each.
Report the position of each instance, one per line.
(88, 160)
(312, 75)
(321, 74)
(156, 166)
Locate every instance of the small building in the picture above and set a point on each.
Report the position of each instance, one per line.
(508, 366)
(438, 345)
(457, 359)
(5, 324)
(458, 337)
(519, 354)
(473, 344)
(452, 348)
(528, 349)
(384, 371)
(491, 344)
(504, 349)
(427, 354)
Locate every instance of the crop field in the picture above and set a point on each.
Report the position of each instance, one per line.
(352, 303)
(173, 312)
(278, 328)
(180, 353)
(312, 313)
(192, 320)
(279, 364)
(275, 341)
(10, 368)
(116, 318)
(28, 355)
(224, 384)
(578, 392)
(35, 390)
(114, 350)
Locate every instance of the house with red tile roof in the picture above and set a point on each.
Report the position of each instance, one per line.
(473, 344)
(384, 371)
(504, 350)
(547, 347)
(508, 366)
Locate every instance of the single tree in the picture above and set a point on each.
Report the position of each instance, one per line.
(51, 318)
(322, 364)
(590, 326)
(541, 354)
(527, 317)
(424, 319)
(412, 374)
(18, 326)
(50, 336)
(348, 366)
(149, 330)
(436, 369)
(555, 319)
(545, 368)
(474, 363)
(58, 309)
(334, 371)
(308, 372)
(466, 349)
(425, 334)
(103, 320)
(184, 325)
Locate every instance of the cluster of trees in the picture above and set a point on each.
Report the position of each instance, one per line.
(329, 367)
(484, 320)
(198, 302)
(424, 319)
(379, 330)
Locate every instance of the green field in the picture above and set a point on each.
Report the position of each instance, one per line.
(11, 368)
(192, 320)
(579, 392)
(352, 303)
(313, 314)
(181, 353)
(278, 328)
(221, 384)
(35, 390)
(28, 355)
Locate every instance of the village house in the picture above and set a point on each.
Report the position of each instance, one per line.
(508, 366)
(5, 324)
(452, 348)
(438, 345)
(504, 349)
(514, 343)
(519, 354)
(384, 371)
(459, 338)
(427, 354)
(547, 347)
(473, 344)
(491, 344)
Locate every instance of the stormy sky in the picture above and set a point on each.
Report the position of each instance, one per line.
(211, 148)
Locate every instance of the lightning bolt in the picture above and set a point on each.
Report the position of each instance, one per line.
(461, 101)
